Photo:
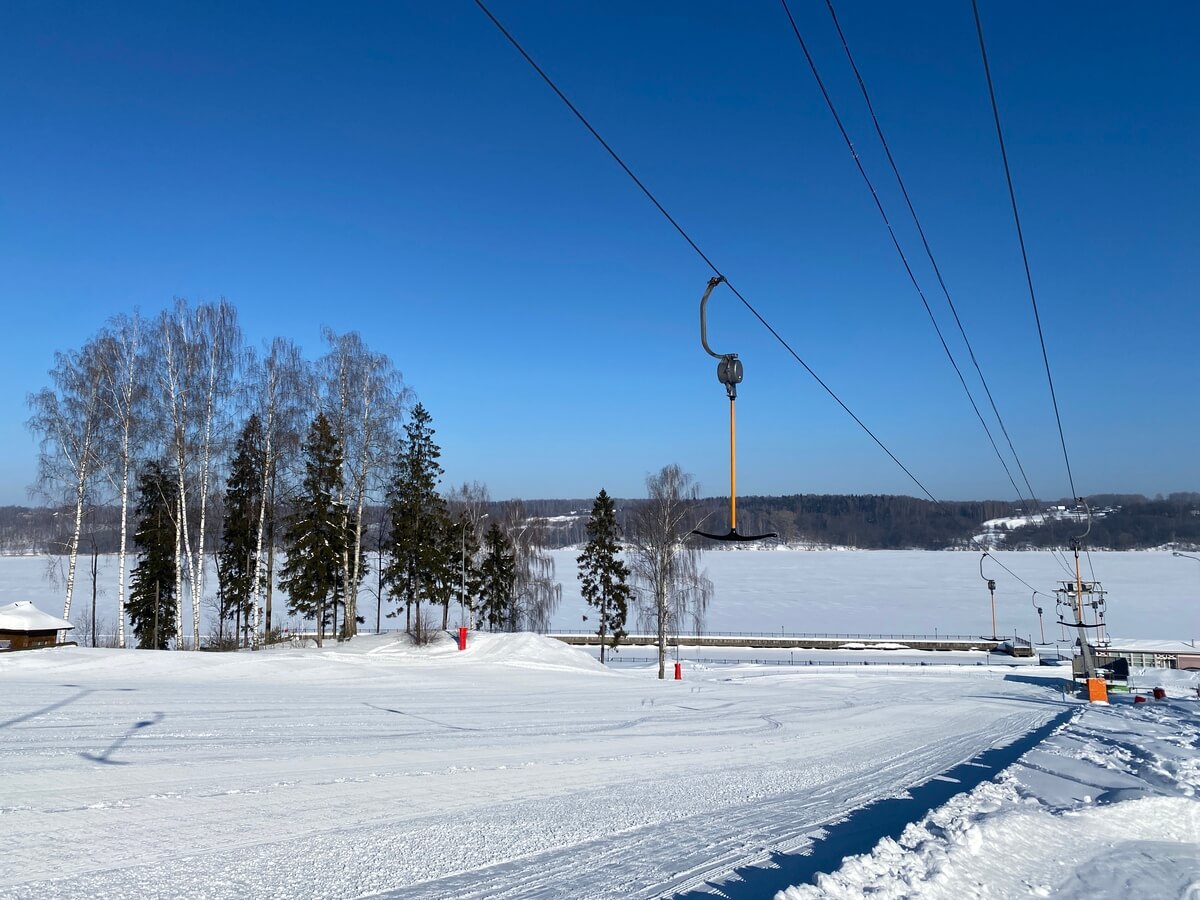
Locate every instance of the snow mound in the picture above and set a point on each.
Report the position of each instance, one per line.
(528, 651)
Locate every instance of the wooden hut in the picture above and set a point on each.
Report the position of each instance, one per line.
(25, 627)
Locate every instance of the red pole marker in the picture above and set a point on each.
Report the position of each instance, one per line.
(462, 638)
(678, 672)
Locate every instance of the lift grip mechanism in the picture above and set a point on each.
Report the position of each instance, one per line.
(729, 369)
(729, 373)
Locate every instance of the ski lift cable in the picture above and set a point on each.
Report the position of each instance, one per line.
(896, 241)
(1033, 501)
(1012, 196)
(717, 272)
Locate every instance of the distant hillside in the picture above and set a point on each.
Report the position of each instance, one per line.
(890, 522)
(867, 521)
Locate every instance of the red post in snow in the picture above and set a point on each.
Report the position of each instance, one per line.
(462, 638)
(678, 671)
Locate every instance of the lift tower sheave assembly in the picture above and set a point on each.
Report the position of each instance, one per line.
(1084, 600)
(729, 373)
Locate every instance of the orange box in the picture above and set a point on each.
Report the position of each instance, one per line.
(1097, 691)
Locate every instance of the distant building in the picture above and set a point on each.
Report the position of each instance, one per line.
(1153, 654)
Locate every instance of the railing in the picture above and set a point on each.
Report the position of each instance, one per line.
(620, 659)
(791, 635)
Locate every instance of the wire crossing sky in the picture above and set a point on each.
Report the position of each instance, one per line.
(397, 171)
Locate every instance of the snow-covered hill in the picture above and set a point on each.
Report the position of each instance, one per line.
(517, 768)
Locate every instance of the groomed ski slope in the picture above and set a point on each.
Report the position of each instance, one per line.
(519, 768)
(1107, 806)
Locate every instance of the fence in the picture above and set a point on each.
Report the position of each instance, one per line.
(621, 659)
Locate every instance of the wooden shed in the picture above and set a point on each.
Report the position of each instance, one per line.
(25, 627)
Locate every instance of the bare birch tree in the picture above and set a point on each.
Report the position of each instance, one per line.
(122, 369)
(66, 420)
(672, 591)
(364, 398)
(198, 354)
(536, 591)
(280, 387)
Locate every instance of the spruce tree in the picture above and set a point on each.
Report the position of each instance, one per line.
(152, 596)
(603, 575)
(238, 559)
(498, 577)
(316, 536)
(417, 544)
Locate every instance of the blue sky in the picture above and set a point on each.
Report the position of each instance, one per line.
(396, 169)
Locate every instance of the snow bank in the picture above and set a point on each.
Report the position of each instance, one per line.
(1106, 807)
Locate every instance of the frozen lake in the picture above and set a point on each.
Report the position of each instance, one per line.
(1151, 594)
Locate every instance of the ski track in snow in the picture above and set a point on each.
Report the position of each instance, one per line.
(1107, 807)
(519, 768)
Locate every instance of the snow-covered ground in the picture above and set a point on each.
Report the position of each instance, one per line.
(521, 768)
(1151, 594)
(1105, 807)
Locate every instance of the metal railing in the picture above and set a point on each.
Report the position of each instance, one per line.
(781, 635)
(620, 659)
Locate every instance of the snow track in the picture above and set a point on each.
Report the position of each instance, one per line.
(517, 769)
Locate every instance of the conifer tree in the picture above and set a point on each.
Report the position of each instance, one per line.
(316, 536)
(417, 544)
(603, 575)
(238, 555)
(498, 576)
(153, 599)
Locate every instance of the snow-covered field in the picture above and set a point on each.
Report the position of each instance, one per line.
(521, 768)
(1151, 594)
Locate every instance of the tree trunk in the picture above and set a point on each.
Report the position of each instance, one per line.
(124, 538)
(603, 629)
(183, 554)
(262, 581)
(95, 570)
(73, 546)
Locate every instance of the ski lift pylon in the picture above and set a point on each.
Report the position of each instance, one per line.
(729, 373)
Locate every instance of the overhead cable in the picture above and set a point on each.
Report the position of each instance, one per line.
(716, 271)
(1033, 501)
(1012, 196)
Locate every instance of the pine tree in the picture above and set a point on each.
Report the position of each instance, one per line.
(316, 536)
(417, 543)
(238, 556)
(498, 576)
(603, 575)
(153, 599)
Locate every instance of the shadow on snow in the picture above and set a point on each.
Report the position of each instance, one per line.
(862, 829)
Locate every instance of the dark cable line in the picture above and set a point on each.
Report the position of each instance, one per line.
(896, 242)
(775, 334)
(1012, 196)
(936, 270)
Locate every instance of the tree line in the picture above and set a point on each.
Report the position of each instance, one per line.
(172, 440)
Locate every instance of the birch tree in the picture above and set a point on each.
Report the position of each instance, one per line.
(280, 388)
(536, 591)
(364, 397)
(672, 591)
(198, 354)
(123, 393)
(66, 420)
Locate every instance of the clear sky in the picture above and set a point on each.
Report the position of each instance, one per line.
(397, 169)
